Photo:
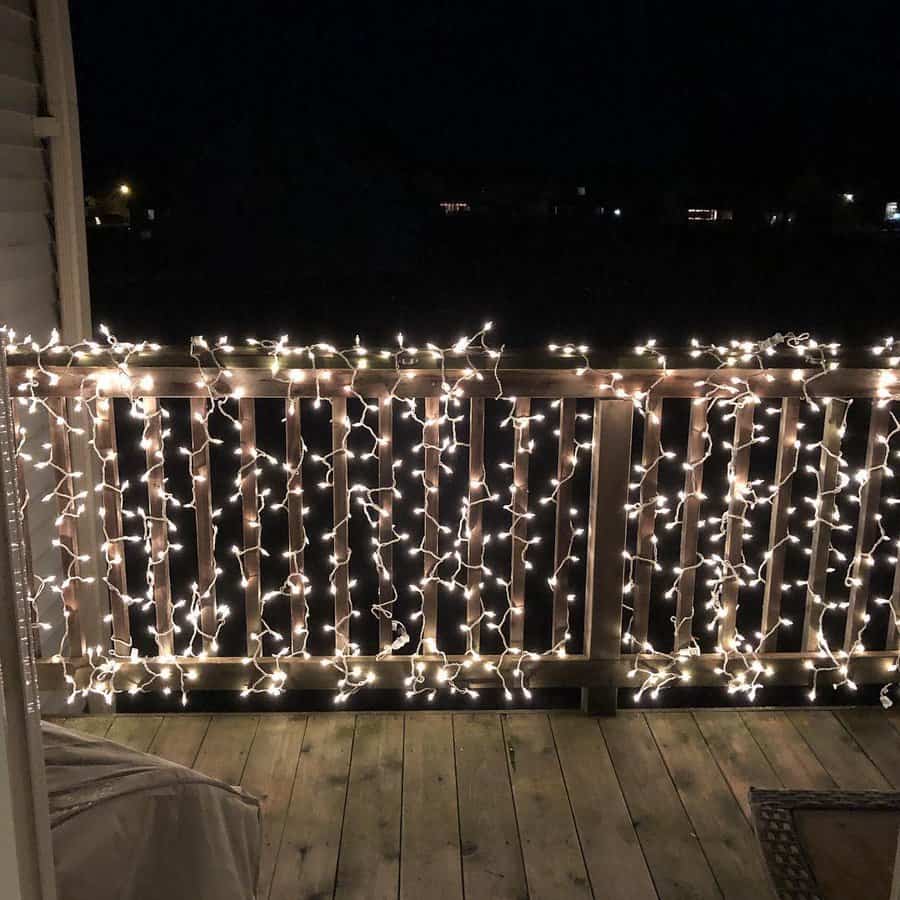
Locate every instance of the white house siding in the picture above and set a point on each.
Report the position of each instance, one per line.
(29, 299)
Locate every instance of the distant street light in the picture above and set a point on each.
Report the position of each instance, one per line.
(848, 198)
(125, 190)
(617, 211)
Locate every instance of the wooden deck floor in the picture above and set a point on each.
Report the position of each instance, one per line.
(486, 806)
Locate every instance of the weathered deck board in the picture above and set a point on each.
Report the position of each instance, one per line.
(223, 753)
(877, 738)
(489, 836)
(369, 864)
(788, 754)
(93, 725)
(554, 864)
(724, 833)
(307, 859)
(612, 852)
(179, 738)
(739, 757)
(430, 865)
(671, 847)
(136, 732)
(846, 763)
(272, 762)
(487, 805)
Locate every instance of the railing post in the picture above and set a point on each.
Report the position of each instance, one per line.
(607, 528)
(832, 433)
(431, 438)
(565, 467)
(519, 529)
(785, 466)
(693, 497)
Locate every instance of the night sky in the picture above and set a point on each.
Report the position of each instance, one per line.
(289, 144)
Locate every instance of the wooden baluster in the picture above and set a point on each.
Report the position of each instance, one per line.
(116, 578)
(24, 498)
(564, 469)
(734, 524)
(477, 497)
(519, 530)
(250, 556)
(892, 641)
(821, 539)
(690, 517)
(607, 529)
(866, 530)
(431, 436)
(159, 528)
(386, 520)
(339, 431)
(296, 526)
(646, 525)
(785, 465)
(206, 551)
(61, 459)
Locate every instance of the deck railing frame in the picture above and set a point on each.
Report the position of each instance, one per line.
(602, 667)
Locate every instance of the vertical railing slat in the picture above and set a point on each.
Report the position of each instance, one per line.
(564, 469)
(61, 458)
(519, 530)
(159, 529)
(296, 527)
(650, 458)
(477, 495)
(734, 524)
(610, 464)
(821, 539)
(250, 524)
(202, 491)
(785, 466)
(386, 521)
(431, 437)
(892, 640)
(866, 531)
(690, 513)
(24, 499)
(341, 502)
(116, 578)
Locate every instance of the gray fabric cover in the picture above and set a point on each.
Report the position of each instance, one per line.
(129, 826)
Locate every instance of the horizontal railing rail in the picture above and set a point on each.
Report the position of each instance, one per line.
(664, 566)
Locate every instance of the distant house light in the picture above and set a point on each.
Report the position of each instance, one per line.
(96, 220)
(581, 190)
(124, 190)
(848, 198)
(453, 208)
(702, 215)
(617, 211)
(892, 212)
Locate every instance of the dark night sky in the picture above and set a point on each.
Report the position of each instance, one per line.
(293, 138)
(764, 86)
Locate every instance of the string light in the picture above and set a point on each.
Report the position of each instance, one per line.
(104, 369)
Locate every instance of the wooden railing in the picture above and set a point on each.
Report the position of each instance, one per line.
(721, 583)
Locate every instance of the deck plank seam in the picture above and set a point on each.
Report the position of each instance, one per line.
(696, 833)
(640, 843)
(562, 772)
(725, 778)
(865, 752)
(337, 856)
(290, 794)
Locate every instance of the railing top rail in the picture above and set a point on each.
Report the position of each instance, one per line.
(326, 381)
(553, 357)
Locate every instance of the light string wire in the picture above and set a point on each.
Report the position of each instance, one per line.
(742, 668)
